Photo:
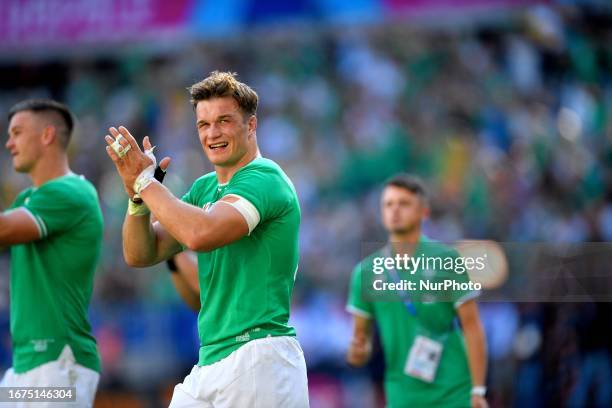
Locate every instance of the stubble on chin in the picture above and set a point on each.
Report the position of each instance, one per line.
(402, 230)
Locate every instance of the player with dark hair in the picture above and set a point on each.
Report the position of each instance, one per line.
(54, 230)
(430, 361)
(243, 222)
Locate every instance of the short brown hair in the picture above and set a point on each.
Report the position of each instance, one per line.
(221, 84)
(409, 182)
(44, 106)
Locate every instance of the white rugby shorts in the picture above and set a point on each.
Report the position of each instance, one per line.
(63, 372)
(264, 373)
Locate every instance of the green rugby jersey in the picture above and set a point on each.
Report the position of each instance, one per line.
(52, 278)
(398, 327)
(246, 286)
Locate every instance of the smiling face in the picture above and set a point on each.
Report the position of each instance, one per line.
(225, 133)
(25, 140)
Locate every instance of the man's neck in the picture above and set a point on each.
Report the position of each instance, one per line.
(405, 243)
(225, 173)
(49, 169)
(406, 238)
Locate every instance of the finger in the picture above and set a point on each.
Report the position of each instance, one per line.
(164, 163)
(118, 137)
(118, 148)
(111, 153)
(128, 136)
(109, 140)
(113, 131)
(146, 143)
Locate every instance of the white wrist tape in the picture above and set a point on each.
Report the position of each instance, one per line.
(146, 177)
(479, 390)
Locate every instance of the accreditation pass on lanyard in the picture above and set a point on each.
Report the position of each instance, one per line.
(424, 355)
(423, 359)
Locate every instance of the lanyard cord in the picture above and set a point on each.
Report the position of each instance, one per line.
(394, 275)
(395, 278)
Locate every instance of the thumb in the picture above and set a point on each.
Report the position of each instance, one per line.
(164, 163)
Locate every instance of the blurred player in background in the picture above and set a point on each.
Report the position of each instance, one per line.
(408, 329)
(54, 229)
(243, 221)
(184, 274)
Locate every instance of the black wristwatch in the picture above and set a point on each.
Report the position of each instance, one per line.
(172, 265)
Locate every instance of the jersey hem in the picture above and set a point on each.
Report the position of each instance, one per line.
(206, 361)
(466, 297)
(359, 312)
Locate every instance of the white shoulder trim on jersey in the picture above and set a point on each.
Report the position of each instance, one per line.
(40, 225)
(356, 311)
(468, 296)
(246, 208)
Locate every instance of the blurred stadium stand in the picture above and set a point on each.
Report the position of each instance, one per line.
(503, 106)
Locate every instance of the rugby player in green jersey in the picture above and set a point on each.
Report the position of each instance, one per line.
(430, 361)
(54, 230)
(243, 221)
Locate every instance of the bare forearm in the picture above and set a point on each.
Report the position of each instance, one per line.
(477, 352)
(184, 276)
(360, 348)
(186, 223)
(187, 266)
(186, 292)
(17, 227)
(4, 232)
(139, 240)
(2, 244)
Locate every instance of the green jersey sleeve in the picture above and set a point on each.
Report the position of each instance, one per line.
(457, 272)
(187, 197)
(356, 303)
(197, 193)
(191, 196)
(268, 190)
(56, 207)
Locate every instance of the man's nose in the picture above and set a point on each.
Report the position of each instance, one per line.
(214, 131)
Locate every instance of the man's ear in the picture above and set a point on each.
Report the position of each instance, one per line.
(252, 125)
(426, 211)
(49, 135)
